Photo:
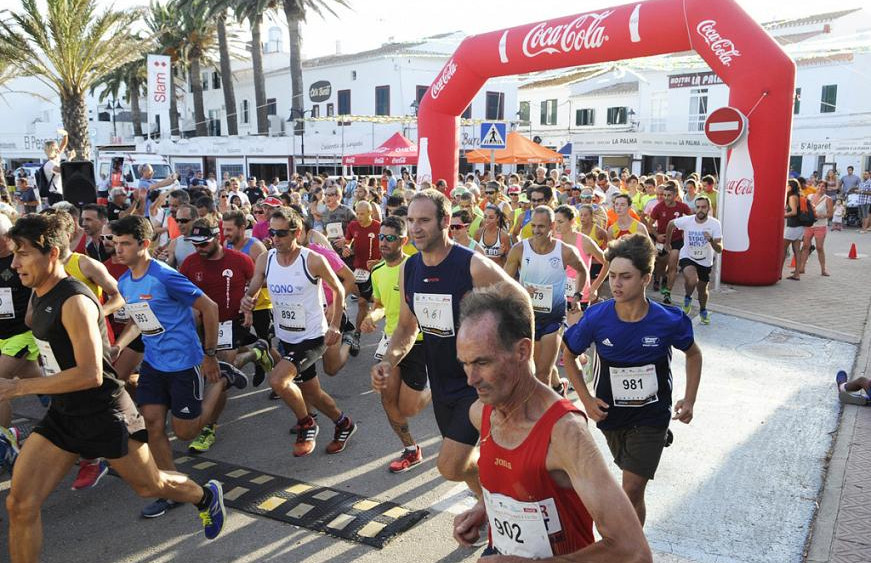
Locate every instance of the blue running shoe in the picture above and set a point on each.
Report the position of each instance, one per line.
(8, 448)
(687, 305)
(214, 515)
(159, 507)
(233, 375)
(840, 378)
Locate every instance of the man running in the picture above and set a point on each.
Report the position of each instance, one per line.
(541, 264)
(361, 235)
(545, 481)
(633, 338)
(661, 215)
(404, 392)
(293, 275)
(180, 247)
(432, 283)
(703, 236)
(159, 301)
(90, 414)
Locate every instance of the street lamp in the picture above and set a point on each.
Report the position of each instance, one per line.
(298, 115)
(113, 105)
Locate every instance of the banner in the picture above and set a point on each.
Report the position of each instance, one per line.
(159, 67)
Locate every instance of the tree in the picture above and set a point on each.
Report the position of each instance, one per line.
(200, 38)
(69, 46)
(162, 21)
(295, 12)
(253, 11)
(131, 79)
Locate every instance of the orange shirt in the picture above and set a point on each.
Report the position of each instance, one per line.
(612, 216)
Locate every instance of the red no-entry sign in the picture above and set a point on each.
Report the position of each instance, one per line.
(725, 126)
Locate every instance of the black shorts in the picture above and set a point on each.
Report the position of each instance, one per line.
(263, 324)
(677, 244)
(137, 345)
(365, 289)
(704, 272)
(595, 269)
(104, 434)
(637, 449)
(453, 420)
(304, 356)
(412, 368)
(181, 391)
(242, 335)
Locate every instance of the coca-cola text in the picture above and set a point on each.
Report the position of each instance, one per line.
(722, 48)
(443, 79)
(584, 32)
(740, 186)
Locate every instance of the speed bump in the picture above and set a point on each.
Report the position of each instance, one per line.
(335, 512)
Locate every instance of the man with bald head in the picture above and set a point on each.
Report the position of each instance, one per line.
(362, 238)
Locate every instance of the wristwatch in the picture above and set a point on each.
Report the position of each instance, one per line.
(210, 352)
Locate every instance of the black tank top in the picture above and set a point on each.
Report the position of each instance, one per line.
(56, 351)
(12, 323)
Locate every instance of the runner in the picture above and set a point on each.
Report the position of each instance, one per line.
(661, 215)
(90, 415)
(703, 237)
(544, 480)
(432, 283)
(461, 219)
(405, 392)
(180, 247)
(625, 224)
(159, 301)
(494, 230)
(564, 221)
(541, 263)
(223, 275)
(293, 276)
(362, 250)
(633, 337)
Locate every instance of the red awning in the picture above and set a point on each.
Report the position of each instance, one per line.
(395, 150)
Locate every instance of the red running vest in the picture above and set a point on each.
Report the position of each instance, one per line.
(513, 477)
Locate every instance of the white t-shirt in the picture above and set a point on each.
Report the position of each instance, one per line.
(54, 183)
(696, 247)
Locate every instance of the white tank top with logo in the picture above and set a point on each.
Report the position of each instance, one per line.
(297, 299)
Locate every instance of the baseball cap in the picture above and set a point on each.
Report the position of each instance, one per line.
(272, 202)
(201, 234)
(252, 178)
(515, 189)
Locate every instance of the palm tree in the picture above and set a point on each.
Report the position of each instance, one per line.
(69, 46)
(200, 36)
(162, 22)
(253, 11)
(131, 79)
(295, 12)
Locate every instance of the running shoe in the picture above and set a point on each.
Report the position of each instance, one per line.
(655, 285)
(233, 375)
(159, 507)
(213, 516)
(705, 317)
(264, 362)
(341, 436)
(853, 398)
(293, 428)
(841, 378)
(355, 343)
(687, 305)
(9, 448)
(666, 295)
(273, 396)
(406, 460)
(305, 439)
(204, 441)
(90, 473)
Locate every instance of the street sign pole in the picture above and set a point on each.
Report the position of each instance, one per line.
(492, 164)
(721, 208)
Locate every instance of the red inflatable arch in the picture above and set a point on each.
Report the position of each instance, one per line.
(760, 76)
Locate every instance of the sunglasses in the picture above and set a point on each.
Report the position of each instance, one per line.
(107, 237)
(514, 195)
(489, 192)
(280, 232)
(388, 238)
(587, 197)
(223, 197)
(537, 200)
(458, 227)
(201, 244)
(183, 221)
(331, 194)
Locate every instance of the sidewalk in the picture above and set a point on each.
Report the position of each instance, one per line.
(836, 308)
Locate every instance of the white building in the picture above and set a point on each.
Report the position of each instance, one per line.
(649, 113)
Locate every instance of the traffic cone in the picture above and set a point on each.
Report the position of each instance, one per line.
(853, 255)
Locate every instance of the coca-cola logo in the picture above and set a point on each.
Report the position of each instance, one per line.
(724, 49)
(740, 186)
(443, 79)
(582, 33)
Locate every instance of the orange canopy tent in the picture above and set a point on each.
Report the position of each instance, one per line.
(518, 150)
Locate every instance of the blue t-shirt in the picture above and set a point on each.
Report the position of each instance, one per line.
(634, 361)
(172, 344)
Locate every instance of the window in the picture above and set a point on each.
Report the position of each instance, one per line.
(584, 117)
(216, 81)
(658, 112)
(205, 77)
(548, 112)
(246, 115)
(495, 105)
(617, 116)
(344, 97)
(316, 110)
(796, 102)
(330, 110)
(214, 124)
(271, 107)
(795, 164)
(382, 100)
(421, 92)
(523, 114)
(467, 113)
(829, 98)
(698, 109)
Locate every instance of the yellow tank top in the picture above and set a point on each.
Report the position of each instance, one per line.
(73, 269)
(617, 232)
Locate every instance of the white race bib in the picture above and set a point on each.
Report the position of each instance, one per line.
(382, 347)
(144, 318)
(435, 313)
(698, 252)
(7, 310)
(121, 315)
(361, 275)
(334, 230)
(571, 287)
(542, 297)
(49, 362)
(634, 386)
(517, 528)
(225, 335)
(289, 316)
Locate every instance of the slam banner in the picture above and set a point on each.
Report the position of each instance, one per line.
(159, 67)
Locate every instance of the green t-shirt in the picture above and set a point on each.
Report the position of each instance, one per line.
(385, 289)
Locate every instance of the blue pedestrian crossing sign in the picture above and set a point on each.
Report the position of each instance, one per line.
(493, 135)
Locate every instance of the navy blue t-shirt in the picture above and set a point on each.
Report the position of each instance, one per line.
(633, 372)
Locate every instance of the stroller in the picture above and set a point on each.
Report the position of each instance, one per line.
(851, 218)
